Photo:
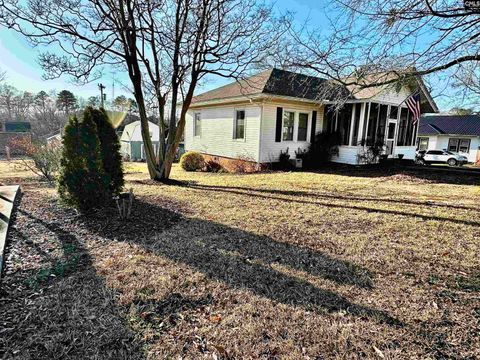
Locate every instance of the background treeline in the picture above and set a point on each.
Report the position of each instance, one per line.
(49, 111)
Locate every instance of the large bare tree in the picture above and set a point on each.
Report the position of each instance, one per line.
(166, 46)
(404, 38)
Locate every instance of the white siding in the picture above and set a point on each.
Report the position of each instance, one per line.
(269, 149)
(407, 151)
(391, 96)
(440, 142)
(347, 155)
(217, 132)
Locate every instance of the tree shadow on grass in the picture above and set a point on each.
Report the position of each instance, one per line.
(433, 174)
(59, 308)
(323, 200)
(320, 195)
(243, 260)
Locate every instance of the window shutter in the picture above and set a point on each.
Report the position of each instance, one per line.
(314, 126)
(278, 131)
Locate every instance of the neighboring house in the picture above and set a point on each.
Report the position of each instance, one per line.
(275, 110)
(131, 140)
(13, 130)
(456, 133)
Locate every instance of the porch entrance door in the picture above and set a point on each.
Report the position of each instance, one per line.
(391, 131)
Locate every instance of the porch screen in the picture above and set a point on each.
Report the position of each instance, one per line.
(406, 130)
(382, 124)
(356, 124)
(344, 121)
(365, 123)
(372, 123)
(330, 119)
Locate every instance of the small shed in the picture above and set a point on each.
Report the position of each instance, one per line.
(132, 143)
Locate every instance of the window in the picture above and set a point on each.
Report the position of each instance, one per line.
(239, 125)
(288, 124)
(197, 124)
(422, 143)
(356, 124)
(344, 123)
(459, 145)
(464, 145)
(435, 152)
(302, 127)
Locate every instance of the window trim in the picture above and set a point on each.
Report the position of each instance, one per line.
(199, 113)
(420, 138)
(234, 133)
(294, 122)
(296, 114)
(458, 139)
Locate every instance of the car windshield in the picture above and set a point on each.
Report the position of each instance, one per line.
(450, 153)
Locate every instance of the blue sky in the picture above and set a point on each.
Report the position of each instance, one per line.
(19, 59)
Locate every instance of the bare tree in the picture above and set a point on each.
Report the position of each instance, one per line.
(166, 46)
(400, 39)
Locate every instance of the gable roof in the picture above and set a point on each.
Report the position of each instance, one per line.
(450, 124)
(276, 82)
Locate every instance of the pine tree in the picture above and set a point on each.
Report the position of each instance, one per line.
(109, 148)
(82, 182)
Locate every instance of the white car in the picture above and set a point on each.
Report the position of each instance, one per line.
(440, 157)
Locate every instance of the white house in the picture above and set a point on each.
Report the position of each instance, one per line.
(276, 110)
(456, 133)
(131, 140)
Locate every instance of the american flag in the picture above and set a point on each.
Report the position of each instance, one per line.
(413, 103)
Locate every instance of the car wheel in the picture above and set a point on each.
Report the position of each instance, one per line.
(452, 162)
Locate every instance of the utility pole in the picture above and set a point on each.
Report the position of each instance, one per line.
(101, 87)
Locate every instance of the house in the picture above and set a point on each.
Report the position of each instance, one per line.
(277, 110)
(13, 130)
(131, 140)
(456, 133)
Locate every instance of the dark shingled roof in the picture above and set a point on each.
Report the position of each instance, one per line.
(450, 124)
(277, 82)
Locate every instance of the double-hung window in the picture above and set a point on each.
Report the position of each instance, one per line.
(197, 124)
(302, 127)
(239, 125)
(459, 145)
(288, 125)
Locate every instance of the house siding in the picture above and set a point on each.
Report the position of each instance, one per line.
(391, 96)
(347, 155)
(270, 149)
(216, 136)
(440, 142)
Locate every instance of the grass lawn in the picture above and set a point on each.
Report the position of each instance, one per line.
(341, 264)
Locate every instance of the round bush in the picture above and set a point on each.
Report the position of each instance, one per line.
(192, 161)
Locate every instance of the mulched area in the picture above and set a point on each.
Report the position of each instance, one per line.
(53, 304)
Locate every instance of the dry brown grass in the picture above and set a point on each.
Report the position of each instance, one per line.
(340, 265)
